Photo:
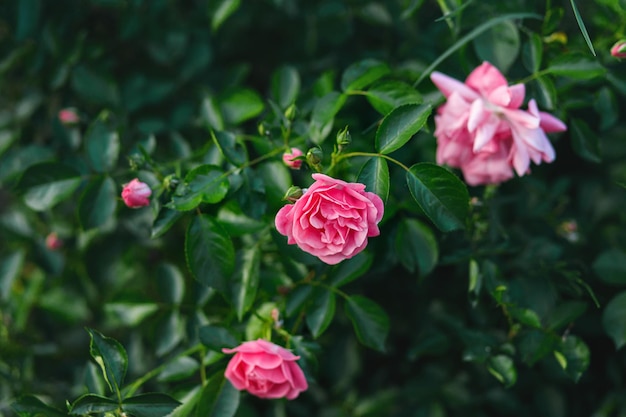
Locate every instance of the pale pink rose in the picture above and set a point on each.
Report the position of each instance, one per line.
(68, 116)
(136, 194)
(266, 370)
(53, 242)
(288, 158)
(482, 129)
(332, 220)
(619, 49)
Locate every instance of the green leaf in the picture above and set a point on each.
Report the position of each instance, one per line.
(91, 404)
(375, 176)
(210, 114)
(441, 195)
(110, 355)
(416, 246)
(48, 183)
(545, 92)
(499, 45)
(610, 267)
(218, 399)
(581, 26)
(170, 283)
(233, 151)
(28, 18)
(203, 184)
(130, 313)
(574, 358)
(245, 280)
(237, 223)
(209, 252)
(613, 319)
(577, 67)
(503, 368)
(361, 74)
(400, 125)
(149, 405)
(10, 268)
(216, 337)
(285, 86)
(370, 321)
(224, 9)
(386, 95)
(565, 314)
(321, 311)
(526, 316)
(240, 105)
(164, 221)
(103, 145)
(94, 88)
(323, 115)
(96, 206)
(31, 406)
(298, 297)
(179, 369)
(585, 141)
(533, 52)
(350, 269)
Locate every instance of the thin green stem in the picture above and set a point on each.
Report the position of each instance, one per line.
(378, 155)
(533, 76)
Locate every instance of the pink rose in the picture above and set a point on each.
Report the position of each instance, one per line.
(53, 242)
(332, 220)
(265, 370)
(68, 116)
(482, 130)
(619, 49)
(135, 194)
(288, 158)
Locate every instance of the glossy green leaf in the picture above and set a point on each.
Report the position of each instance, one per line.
(399, 126)
(535, 344)
(233, 151)
(224, 9)
(179, 369)
(375, 176)
(31, 406)
(297, 298)
(577, 67)
(321, 311)
(170, 283)
(610, 267)
(130, 313)
(218, 399)
(285, 86)
(149, 405)
(613, 319)
(533, 52)
(582, 27)
(574, 357)
(164, 221)
(503, 368)
(441, 195)
(171, 332)
(363, 73)
(416, 246)
(545, 92)
(97, 203)
(209, 252)
(46, 184)
(103, 145)
(526, 316)
(565, 314)
(240, 105)
(237, 223)
(585, 141)
(350, 269)
(499, 45)
(276, 181)
(94, 87)
(91, 404)
(245, 280)
(323, 115)
(203, 184)
(384, 96)
(370, 321)
(216, 338)
(10, 268)
(111, 356)
(210, 114)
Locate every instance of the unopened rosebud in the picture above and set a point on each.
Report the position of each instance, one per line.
(276, 318)
(171, 182)
(68, 116)
(619, 49)
(293, 194)
(136, 194)
(292, 159)
(53, 242)
(314, 157)
(343, 137)
(290, 112)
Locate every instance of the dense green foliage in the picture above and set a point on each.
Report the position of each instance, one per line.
(479, 301)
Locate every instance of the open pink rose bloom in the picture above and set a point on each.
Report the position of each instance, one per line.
(332, 220)
(266, 370)
(482, 130)
(136, 194)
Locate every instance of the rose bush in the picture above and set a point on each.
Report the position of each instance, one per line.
(266, 370)
(332, 220)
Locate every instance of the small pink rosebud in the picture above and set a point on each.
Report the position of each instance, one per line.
(68, 116)
(619, 49)
(135, 194)
(53, 242)
(289, 158)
